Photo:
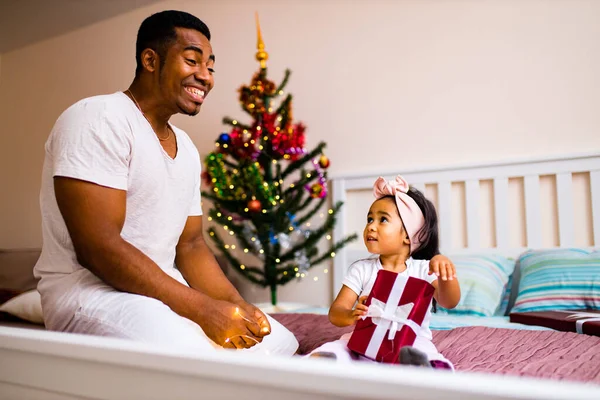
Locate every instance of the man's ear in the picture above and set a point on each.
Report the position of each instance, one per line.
(149, 60)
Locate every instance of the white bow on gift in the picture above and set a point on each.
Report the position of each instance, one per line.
(391, 318)
(582, 318)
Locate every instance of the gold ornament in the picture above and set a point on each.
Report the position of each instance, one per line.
(324, 161)
(261, 55)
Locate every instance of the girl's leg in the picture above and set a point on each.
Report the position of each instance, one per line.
(410, 355)
(434, 357)
(337, 350)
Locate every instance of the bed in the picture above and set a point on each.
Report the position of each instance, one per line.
(495, 359)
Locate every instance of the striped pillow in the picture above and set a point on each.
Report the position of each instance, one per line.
(483, 280)
(503, 309)
(558, 279)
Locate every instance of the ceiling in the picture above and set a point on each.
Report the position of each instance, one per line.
(23, 22)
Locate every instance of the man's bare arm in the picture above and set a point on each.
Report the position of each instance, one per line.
(94, 216)
(200, 269)
(198, 265)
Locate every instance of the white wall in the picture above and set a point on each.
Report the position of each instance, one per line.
(388, 84)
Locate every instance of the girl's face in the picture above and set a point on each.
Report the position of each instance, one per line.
(384, 233)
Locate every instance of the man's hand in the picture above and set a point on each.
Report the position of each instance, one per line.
(442, 267)
(229, 325)
(256, 315)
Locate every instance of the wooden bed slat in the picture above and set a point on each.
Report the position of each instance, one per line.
(564, 195)
(533, 218)
(444, 214)
(501, 212)
(420, 186)
(472, 206)
(595, 193)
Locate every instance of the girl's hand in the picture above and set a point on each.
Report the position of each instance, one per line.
(361, 309)
(442, 267)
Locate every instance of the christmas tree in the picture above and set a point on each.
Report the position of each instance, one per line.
(266, 187)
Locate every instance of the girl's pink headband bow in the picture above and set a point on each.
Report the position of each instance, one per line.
(409, 210)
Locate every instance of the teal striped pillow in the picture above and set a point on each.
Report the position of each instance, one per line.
(502, 310)
(558, 279)
(483, 281)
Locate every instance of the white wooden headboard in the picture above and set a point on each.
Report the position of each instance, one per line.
(504, 207)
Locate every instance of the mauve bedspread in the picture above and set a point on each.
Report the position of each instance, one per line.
(547, 354)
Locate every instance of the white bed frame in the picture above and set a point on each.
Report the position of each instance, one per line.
(38, 364)
(530, 171)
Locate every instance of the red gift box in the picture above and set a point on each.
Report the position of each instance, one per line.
(397, 307)
(580, 321)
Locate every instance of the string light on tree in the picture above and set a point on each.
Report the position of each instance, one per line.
(237, 313)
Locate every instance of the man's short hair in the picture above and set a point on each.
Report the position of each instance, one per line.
(157, 32)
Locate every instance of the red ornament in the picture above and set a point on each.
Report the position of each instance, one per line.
(324, 161)
(206, 178)
(290, 141)
(254, 205)
(241, 145)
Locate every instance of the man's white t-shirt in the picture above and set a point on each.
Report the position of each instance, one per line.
(107, 140)
(361, 276)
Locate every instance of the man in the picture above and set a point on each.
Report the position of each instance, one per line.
(123, 251)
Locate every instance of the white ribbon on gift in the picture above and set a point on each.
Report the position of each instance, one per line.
(582, 318)
(389, 317)
(392, 322)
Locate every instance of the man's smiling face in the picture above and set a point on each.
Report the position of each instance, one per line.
(186, 76)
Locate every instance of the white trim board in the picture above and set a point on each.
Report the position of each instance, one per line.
(40, 364)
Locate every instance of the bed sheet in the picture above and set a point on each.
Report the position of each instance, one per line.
(534, 353)
(444, 322)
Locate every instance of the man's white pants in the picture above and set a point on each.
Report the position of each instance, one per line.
(81, 303)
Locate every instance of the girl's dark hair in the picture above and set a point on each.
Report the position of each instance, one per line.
(428, 235)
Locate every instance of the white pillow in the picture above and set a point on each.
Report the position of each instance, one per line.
(27, 306)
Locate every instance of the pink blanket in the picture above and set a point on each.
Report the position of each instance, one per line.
(547, 354)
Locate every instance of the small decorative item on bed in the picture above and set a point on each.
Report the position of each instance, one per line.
(266, 187)
(397, 307)
(566, 321)
(559, 289)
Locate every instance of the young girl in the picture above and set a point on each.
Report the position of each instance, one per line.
(402, 229)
